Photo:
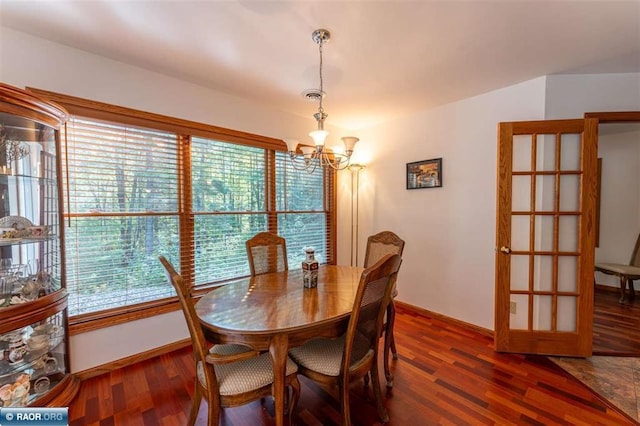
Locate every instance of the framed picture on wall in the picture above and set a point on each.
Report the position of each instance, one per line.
(424, 174)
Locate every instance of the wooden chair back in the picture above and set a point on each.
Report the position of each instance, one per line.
(267, 252)
(381, 244)
(198, 340)
(369, 307)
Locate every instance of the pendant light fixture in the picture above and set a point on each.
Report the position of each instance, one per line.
(316, 156)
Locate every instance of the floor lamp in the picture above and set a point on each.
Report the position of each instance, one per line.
(355, 188)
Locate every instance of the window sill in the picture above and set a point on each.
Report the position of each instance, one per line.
(94, 321)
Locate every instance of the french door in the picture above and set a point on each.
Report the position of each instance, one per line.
(545, 236)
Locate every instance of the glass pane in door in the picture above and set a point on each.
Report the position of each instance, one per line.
(568, 305)
(569, 193)
(567, 273)
(521, 198)
(519, 272)
(543, 273)
(520, 233)
(570, 151)
(544, 233)
(519, 319)
(542, 312)
(545, 193)
(568, 233)
(545, 153)
(521, 153)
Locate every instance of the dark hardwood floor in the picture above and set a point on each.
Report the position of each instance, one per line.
(616, 326)
(446, 375)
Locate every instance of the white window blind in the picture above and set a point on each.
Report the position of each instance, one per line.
(128, 190)
(229, 206)
(302, 217)
(121, 197)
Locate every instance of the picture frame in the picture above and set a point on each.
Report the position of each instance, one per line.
(424, 174)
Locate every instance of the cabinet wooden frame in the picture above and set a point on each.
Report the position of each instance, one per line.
(17, 105)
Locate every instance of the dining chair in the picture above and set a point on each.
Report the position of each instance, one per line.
(226, 377)
(625, 273)
(267, 252)
(354, 355)
(378, 245)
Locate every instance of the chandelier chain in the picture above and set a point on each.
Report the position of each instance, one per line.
(321, 79)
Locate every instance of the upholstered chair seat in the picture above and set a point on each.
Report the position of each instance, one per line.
(625, 273)
(246, 375)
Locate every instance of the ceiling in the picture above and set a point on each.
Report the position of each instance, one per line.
(385, 58)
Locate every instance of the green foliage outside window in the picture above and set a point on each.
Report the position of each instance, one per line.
(122, 197)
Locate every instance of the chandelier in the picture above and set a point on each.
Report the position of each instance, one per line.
(317, 155)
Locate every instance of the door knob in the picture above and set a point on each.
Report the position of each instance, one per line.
(505, 250)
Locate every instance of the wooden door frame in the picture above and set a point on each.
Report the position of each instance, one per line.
(614, 116)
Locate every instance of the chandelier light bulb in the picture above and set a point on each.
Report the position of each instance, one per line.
(292, 144)
(319, 136)
(349, 144)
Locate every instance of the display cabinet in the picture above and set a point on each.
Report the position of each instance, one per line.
(34, 343)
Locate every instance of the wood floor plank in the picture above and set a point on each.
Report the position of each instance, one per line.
(616, 326)
(445, 374)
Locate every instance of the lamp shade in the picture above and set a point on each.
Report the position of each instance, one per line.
(349, 143)
(319, 136)
(292, 144)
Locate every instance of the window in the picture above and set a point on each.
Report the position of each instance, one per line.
(228, 205)
(302, 214)
(121, 198)
(139, 185)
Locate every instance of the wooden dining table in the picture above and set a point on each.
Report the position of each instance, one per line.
(275, 312)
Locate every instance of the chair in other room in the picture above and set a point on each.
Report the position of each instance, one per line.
(267, 252)
(379, 245)
(354, 355)
(226, 377)
(626, 273)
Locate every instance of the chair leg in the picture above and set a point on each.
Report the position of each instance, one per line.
(344, 401)
(632, 290)
(375, 383)
(389, 343)
(623, 288)
(213, 412)
(195, 406)
(293, 399)
(394, 351)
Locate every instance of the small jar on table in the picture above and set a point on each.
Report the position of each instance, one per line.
(310, 269)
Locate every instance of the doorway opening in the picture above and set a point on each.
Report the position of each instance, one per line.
(616, 326)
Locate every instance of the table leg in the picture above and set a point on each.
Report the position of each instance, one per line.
(278, 348)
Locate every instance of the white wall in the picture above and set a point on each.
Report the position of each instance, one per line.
(30, 61)
(620, 196)
(570, 96)
(448, 262)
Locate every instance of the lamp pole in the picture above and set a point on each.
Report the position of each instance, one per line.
(355, 188)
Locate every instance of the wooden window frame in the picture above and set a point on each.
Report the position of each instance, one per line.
(185, 129)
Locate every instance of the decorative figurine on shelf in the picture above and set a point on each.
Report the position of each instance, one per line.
(15, 150)
(310, 269)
